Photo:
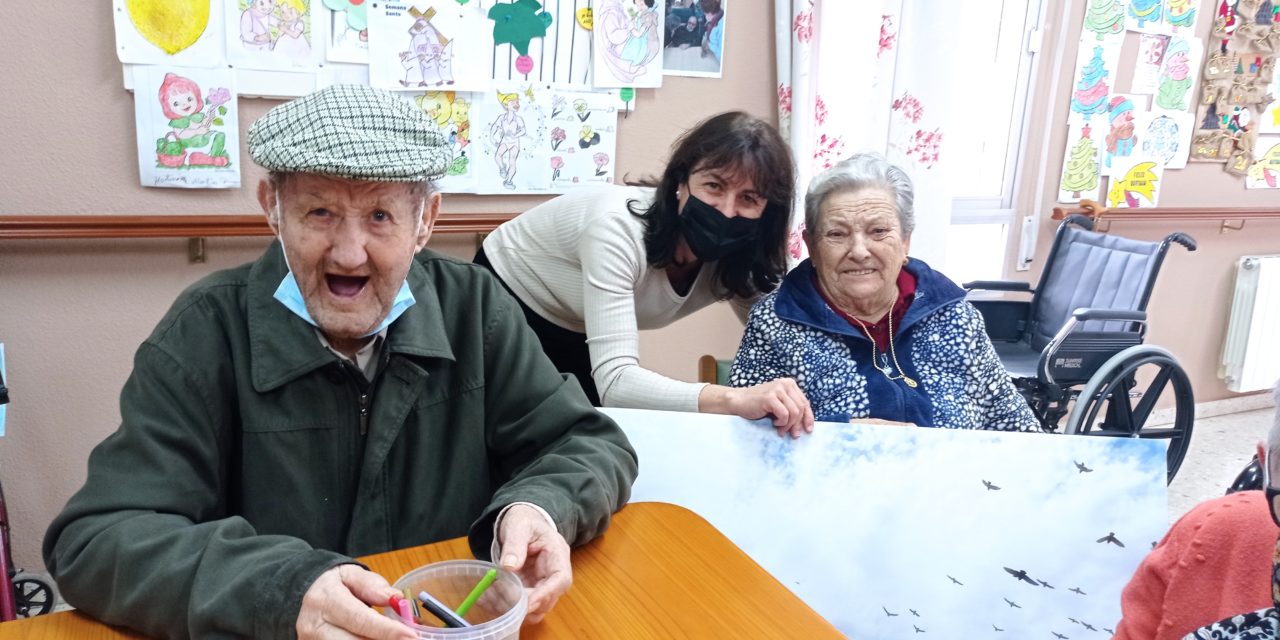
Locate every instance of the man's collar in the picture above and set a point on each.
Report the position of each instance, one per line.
(284, 346)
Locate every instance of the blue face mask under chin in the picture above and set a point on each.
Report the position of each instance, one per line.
(290, 296)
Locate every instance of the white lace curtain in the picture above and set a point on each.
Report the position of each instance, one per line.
(872, 75)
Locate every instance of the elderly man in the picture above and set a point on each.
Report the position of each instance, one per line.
(337, 397)
(1214, 574)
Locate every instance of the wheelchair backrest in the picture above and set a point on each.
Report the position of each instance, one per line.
(1092, 270)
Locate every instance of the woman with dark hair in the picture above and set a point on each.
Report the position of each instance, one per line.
(593, 267)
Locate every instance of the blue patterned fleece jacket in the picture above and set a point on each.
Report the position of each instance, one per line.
(942, 344)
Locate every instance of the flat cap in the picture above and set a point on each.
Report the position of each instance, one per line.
(350, 131)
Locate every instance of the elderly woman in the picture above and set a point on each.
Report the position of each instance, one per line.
(869, 333)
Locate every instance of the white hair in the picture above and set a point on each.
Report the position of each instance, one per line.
(857, 172)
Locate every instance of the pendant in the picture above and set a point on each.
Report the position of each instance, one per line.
(910, 383)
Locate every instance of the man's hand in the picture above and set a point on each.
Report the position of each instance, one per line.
(337, 606)
(535, 551)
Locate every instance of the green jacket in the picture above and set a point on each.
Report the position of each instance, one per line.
(250, 458)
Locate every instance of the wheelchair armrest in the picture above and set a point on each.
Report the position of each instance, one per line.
(1006, 320)
(998, 285)
(1082, 314)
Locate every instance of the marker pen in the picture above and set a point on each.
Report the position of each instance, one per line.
(437, 609)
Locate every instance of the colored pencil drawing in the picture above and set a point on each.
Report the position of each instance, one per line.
(274, 35)
(430, 45)
(1264, 173)
(169, 32)
(1176, 75)
(187, 130)
(349, 29)
(1121, 137)
(505, 133)
(1166, 137)
(451, 113)
(195, 138)
(547, 42)
(1080, 167)
(429, 57)
(584, 137)
(628, 38)
(1137, 184)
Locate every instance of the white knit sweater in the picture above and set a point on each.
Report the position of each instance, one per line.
(579, 262)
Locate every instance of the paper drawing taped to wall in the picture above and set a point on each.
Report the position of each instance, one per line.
(627, 39)
(349, 31)
(417, 46)
(1166, 136)
(275, 34)
(172, 32)
(583, 139)
(1264, 173)
(188, 132)
(451, 113)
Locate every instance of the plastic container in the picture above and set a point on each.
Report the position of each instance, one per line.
(496, 616)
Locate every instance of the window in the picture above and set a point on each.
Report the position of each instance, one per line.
(984, 176)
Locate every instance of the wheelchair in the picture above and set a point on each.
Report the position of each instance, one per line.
(1075, 349)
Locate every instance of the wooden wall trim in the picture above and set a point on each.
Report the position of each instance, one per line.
(53, 227)
(1166, 214)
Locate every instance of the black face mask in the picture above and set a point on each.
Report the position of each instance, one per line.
(712, 235)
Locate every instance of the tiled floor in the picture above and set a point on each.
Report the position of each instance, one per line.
(1220, 449)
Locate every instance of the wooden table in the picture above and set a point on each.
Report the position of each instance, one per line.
(661, 571)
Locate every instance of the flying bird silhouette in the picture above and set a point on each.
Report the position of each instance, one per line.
(1077, 590)
(1110, 631)
(1046, 584)
(1021, 574)
(996, 628)
(990, 487)
(888, 613)
(1074, 620)
(1111, 537)
(1088, 626)
(913, 612)
(1060, 636)
(1082, 468)
(918, 629)
(955, 581)
(1012, 603)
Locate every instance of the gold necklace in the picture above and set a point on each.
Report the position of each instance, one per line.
(892, 353)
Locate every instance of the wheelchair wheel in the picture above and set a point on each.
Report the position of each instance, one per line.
(1114, 389)
(33, 595)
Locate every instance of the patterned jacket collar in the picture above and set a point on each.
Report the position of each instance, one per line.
(799, 301)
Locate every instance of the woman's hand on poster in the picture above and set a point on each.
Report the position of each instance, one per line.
(780, 400)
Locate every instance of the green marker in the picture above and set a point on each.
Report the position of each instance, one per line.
(478, 591)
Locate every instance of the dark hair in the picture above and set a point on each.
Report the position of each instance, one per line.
(742, 144)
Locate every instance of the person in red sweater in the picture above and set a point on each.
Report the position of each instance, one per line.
(1212, 574)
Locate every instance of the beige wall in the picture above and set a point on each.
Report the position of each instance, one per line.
(73, 312)
(1192, 298)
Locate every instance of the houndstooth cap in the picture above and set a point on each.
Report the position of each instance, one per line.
(350, 131)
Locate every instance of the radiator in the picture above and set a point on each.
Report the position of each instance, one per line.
(1251, 352)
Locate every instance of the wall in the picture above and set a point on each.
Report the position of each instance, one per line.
(73, 312)
(1192, 298)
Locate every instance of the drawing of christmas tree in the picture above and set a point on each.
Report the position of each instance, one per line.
(1211, 118)
(1091, 92)
(1104, 17)
(1175, 80)
(1081, 173)
(1180, 13)
(1144, 11)
(1266, 13)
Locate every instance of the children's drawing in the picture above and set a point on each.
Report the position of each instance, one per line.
(1166, 137)
(275, 35)
(1080, 167)
(586, 157)
(1176, 75)
(694, 35)
(450, 112)
(1121, 137)
(547, 42)
(1180, 15)
(505, 133)
(840, 518)
(1269, 120)
(188, 135)
(1264, 173)
(628, 38)
(432, 46)
(1095, 67)
(172, 32)
(349, 29)
(1146, 68)
(1143, 15)
(1136, 185)
(1104, 18)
